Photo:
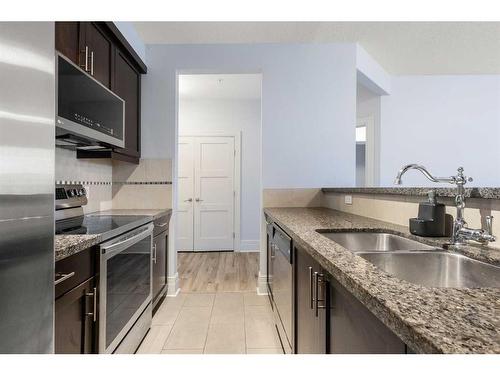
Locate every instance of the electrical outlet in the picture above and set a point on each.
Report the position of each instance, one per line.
(348, 199)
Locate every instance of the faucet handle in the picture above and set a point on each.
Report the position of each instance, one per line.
(489, 224)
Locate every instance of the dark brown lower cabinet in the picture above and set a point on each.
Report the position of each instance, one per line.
(353, 329)
(75, 329)
(311, 292)
(160, 243)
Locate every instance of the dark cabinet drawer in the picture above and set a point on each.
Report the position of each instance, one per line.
(75, 320)
(75, 269)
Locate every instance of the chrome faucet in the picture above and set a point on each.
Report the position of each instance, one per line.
(461, 233)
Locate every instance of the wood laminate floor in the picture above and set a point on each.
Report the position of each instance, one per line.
(217, 311)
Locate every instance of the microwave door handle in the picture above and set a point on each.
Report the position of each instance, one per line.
(115, 248)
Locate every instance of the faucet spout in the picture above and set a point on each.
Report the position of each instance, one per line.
(424, 171)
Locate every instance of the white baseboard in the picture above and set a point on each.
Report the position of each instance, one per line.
(262, 285)
(249, 245)
(173, 285)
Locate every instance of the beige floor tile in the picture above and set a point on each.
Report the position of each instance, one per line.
(199, 300)
(225, 339)
(228, 300)
(155, 339)
(182, 351)
(264, 351)
(259, 327)
(253, 299)
(187, 336)
(228, 309)
(261, 334)
(167, 313)
(190, 329)
(194, 315)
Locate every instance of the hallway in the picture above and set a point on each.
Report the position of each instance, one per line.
(217, 312)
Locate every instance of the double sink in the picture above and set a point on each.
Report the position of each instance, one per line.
(416, 262)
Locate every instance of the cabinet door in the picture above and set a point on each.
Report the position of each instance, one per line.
(126, 85)
(68, 39)
(100, 52)
(74, 326)
(311, 329)
(159, 264)
(354, 329)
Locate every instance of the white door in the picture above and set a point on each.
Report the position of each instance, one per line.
(184, 229)
(212, 224)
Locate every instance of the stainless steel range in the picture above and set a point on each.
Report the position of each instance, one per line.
(125, 288)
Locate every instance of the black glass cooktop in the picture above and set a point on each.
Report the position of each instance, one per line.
(105, 225)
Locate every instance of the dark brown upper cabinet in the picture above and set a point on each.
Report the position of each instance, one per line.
(103, 52)
(127, 85)
(98, 50)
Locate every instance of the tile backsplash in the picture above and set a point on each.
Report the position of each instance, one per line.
(114, 184)
(95, 174)
(146, 185)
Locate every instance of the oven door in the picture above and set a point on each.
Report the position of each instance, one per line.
(125, 284)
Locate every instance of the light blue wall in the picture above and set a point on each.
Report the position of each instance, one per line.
(308, 105)
(130, 33)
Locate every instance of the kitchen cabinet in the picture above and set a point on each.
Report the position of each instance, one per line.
(354, 329)
(75, 326)
(76, 309)
(127, 85)
(160, 246)
(101, 50)
(311, 302)
(67, 41)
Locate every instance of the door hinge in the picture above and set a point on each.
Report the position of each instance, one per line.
(234, 235)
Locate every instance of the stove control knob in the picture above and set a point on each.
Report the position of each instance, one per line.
(81, 192)
(75, 192)
(70, 193)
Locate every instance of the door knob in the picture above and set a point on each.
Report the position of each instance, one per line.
(188, 200)
(199, 200)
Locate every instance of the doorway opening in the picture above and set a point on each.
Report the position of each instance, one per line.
(219, 162)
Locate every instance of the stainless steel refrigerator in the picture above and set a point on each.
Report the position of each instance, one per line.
(27, 112)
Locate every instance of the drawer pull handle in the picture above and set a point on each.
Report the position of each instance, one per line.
(63, 277)
(162, 224)
(317, 300)
(93, 314)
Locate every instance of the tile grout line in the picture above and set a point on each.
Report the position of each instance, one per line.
(209, 320)
(173, 324)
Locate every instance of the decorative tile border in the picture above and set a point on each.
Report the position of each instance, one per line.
(109, 183)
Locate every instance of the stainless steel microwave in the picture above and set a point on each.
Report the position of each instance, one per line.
(88, 113)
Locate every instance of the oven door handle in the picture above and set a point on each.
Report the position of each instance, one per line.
(112, 249)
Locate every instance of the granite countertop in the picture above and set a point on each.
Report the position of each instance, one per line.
(428, 320)
(69, 244)
(471, 192)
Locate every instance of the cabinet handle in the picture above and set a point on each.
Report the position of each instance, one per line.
(63, 277)
(92, 63)
(93, 314)
(317, 300)
(154, 253)
(311, 291)
(162, 224)
(85, 66)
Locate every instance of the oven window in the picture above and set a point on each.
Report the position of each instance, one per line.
(128, 286)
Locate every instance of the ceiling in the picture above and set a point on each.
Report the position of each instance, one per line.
(220, 86)
(400, 47)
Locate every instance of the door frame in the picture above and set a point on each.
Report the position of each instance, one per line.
(369, 123)
(236, 177)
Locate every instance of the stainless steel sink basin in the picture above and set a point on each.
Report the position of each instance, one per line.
(436, 269)
(371, 241)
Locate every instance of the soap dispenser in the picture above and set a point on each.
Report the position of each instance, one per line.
(431, 220)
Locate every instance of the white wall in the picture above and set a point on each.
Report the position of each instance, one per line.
(198, 116)
(442, 122)
(368, 104)
(308, 105)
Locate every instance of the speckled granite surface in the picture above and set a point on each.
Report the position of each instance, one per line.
(483, 192)
(66, 245)
(428, 320)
